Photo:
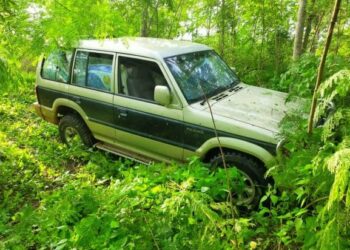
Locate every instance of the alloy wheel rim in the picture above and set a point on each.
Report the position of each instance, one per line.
(72, 136)
(247, 195)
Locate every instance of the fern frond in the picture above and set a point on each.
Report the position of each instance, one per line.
(339, 164)
(338, 85)
(337, 123)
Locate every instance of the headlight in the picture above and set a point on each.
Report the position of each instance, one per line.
(329, 110)
(281, 150)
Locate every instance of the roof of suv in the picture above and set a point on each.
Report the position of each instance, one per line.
(147, 47)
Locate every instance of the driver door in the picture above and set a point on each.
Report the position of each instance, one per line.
(141, 122)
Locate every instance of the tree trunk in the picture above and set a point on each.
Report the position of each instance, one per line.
(222, 28)
(310, 19)
(278, 39)
(307, 32)
(144, 22)
(234, 24)
(209, 20)
(322, 64)
(176, 18)
(316, 35)
(340, 33)
(262, 44)
(298, 40)
(157, 18)
(277, 53)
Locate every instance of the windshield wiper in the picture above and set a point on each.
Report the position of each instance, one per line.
(204, 101)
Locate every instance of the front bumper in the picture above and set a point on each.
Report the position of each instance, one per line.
(281, 150)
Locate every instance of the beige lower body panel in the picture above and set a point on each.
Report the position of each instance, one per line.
(149, 147)
(102, 132)
(46, 113)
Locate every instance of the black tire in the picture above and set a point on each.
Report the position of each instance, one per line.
(72, 123)
(253, 173)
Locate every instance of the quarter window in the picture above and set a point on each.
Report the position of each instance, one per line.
(56, 66)
(93, 70)
(138, 78)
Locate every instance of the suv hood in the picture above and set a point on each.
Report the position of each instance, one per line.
(256, 106)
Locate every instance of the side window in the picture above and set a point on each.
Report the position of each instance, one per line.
(79, 72)
(138, 78)
(56, 66)
(93, 70)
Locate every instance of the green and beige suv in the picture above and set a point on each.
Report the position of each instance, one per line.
(161, 100)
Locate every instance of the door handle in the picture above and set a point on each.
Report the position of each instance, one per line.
(122, 113)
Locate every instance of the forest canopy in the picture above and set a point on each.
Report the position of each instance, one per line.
(256, 37)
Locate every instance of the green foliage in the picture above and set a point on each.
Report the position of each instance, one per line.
(316, 175)
(254, 37)
(336, 137)
(65, 22)
(62, 198)
(300, 78)
(5, 75)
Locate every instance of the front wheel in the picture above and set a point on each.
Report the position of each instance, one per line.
(252, 176)
(73, 131)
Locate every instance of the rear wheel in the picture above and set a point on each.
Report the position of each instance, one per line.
(252, 175)
(73, 130)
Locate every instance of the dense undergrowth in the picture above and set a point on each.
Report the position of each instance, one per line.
(54, 197)
(58, 197)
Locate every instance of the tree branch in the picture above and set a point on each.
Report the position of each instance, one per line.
(322, 64)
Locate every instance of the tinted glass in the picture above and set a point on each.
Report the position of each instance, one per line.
(56, 66)
(201, 74)
(79, 73)
(93, 70)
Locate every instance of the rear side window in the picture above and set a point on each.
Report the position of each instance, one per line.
(93, 70)
(56, 66)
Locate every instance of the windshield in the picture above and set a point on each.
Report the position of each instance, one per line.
(201, 74)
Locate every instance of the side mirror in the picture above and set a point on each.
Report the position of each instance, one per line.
(162, 95)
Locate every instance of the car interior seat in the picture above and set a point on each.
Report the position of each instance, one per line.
(123, 79)
(140, 83)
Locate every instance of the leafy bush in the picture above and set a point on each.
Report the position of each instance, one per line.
(138, 211)
(300, 78)
(11, 76)
(316, 175)
(62, 198)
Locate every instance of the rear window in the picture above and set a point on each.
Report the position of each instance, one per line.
(93, 70)
(56, 66)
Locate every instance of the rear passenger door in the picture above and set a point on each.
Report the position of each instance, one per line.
(91, 90)
(140, 121)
